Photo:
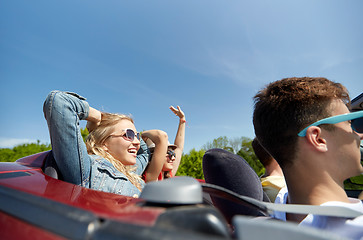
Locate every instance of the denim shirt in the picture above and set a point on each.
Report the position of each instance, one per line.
(63, 111)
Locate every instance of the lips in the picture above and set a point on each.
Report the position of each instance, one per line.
(133, 151)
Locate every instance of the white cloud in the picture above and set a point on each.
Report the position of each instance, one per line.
(12, 142)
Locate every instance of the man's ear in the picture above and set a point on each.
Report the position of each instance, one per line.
(314, 137)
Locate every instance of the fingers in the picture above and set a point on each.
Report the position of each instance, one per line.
(173, 109)
(181, 113)
(177, 112)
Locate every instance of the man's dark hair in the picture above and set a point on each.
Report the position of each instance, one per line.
(285, 107)
(261, 153)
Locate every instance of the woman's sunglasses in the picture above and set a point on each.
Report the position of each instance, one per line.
(355, 117)
(129, 135)
(171, 154)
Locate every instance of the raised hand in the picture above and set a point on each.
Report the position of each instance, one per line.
(177, 112)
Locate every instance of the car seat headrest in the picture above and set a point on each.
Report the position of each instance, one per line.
(176, 190)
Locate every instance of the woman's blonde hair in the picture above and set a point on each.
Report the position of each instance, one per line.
(98, 136)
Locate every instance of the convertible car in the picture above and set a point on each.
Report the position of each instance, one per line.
(34, 205)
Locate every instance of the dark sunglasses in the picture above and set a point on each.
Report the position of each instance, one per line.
(171, 154)
(129, 135)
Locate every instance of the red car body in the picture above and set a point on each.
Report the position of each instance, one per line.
(36, 206)
(26, 175)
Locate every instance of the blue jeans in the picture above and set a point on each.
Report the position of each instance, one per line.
(63, 111)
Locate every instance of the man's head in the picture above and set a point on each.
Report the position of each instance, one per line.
(285, 107)
(261, 153)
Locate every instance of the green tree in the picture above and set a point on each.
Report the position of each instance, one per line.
(354, 183)
(221, 142)
(84, 133)
(241, 146)
(236, 143)
(6, 155)
(191, 164)
(249, 155)
(23, 150)
(231, 145)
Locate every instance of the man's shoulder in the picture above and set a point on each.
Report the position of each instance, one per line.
(347, 227)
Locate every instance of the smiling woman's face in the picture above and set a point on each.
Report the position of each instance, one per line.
(169, 162)
(121, 148)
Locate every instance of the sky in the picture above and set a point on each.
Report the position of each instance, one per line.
(140, 57)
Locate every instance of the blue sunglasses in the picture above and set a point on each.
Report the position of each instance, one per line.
(356, 117)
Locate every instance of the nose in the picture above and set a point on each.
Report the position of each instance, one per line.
(136, 142)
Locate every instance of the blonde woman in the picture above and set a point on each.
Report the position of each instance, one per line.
(113, 157)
